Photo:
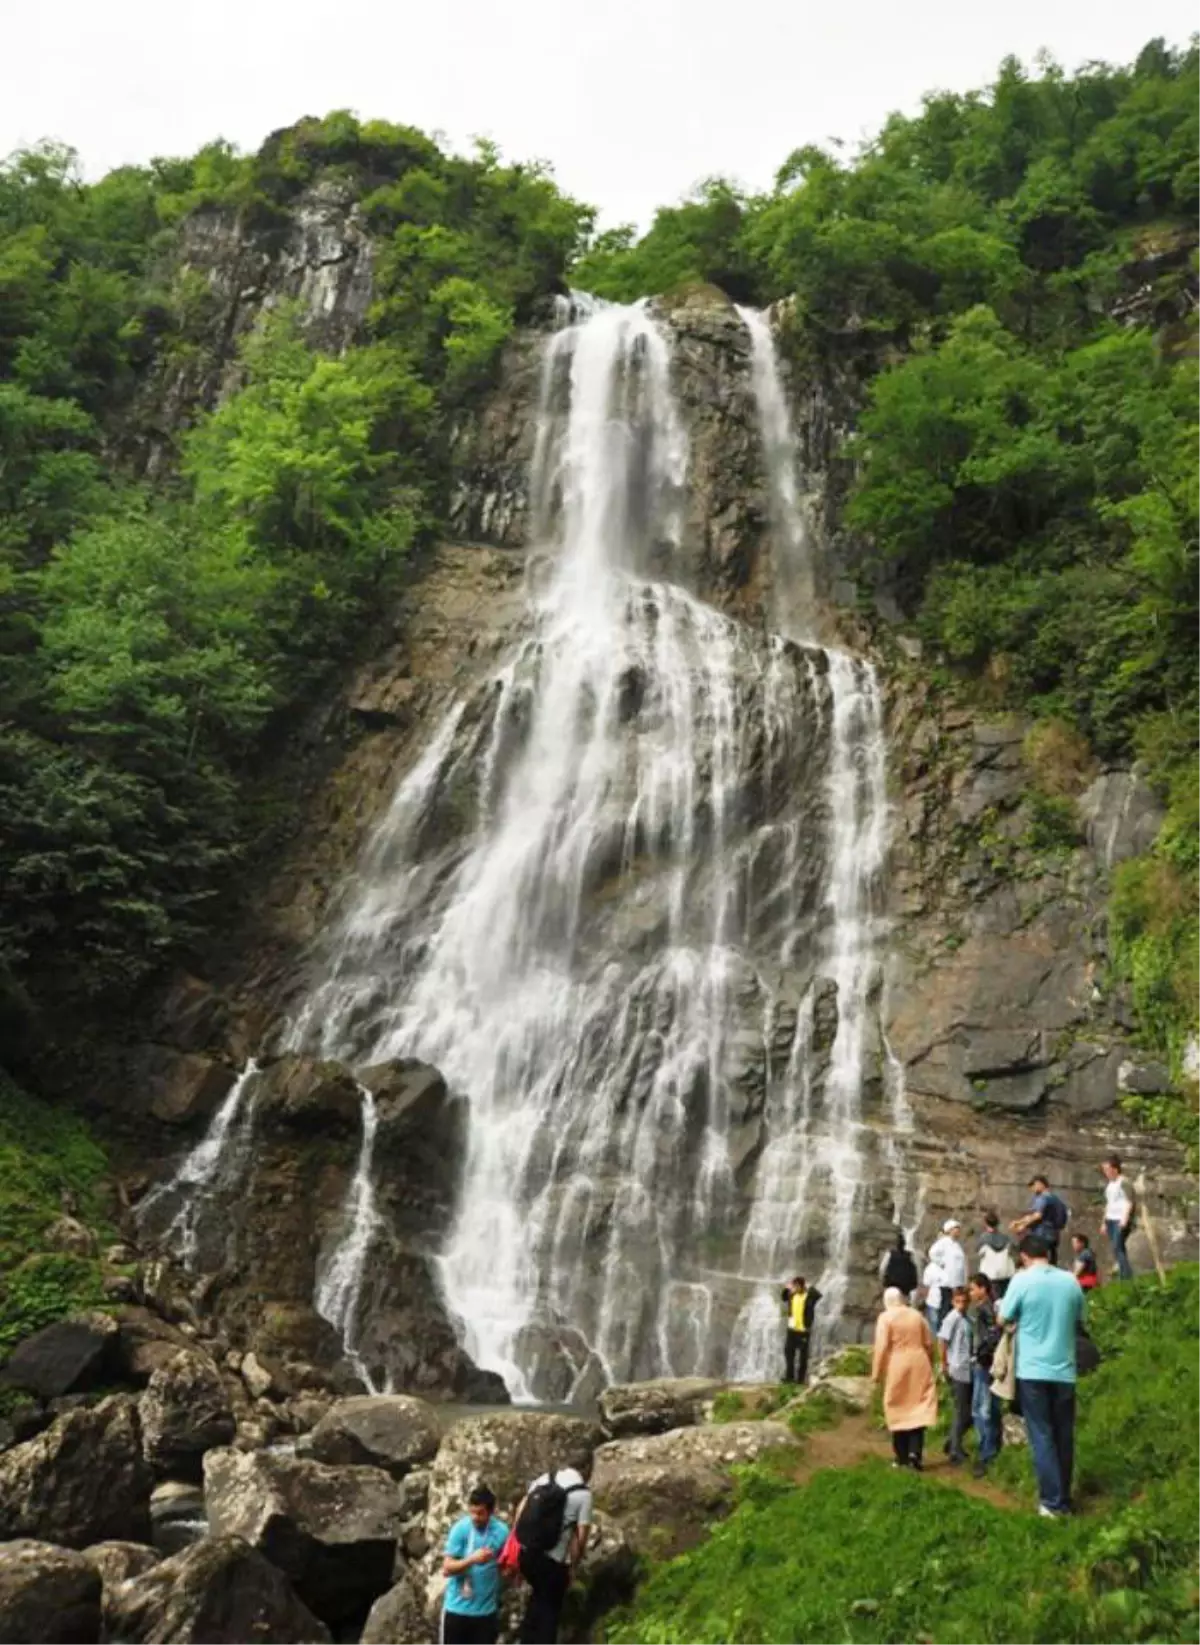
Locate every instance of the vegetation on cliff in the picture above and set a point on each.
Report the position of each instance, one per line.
(1011, 272)
(867, 1554)
(151, 634)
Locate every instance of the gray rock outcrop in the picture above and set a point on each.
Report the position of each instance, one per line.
(48, 1595)
(391, 1431)
(83, 1481)
(221, 1592)
(71, 1354)
(184, 1412)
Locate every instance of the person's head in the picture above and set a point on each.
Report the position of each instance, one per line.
(959, 1298)
(1111, 1166)
(1040, 1184)
(953, 1227)
(1080, 1241)
(481, 1505)
(980, 1287)
(893, 1297)
(1033, 1249)
(991, 1221)
(799, 1283)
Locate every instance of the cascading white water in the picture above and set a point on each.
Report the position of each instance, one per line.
(613, 902)
(173, 1209)
(339, 1286)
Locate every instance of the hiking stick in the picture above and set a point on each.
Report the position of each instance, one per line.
(1144, 1211)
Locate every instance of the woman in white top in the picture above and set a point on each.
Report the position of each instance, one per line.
(1118, 1212)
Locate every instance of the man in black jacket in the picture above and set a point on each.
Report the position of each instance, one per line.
(899, 1269)
(801, 1305)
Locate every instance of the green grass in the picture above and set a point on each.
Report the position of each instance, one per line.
(45, 1151)
(867, 1554)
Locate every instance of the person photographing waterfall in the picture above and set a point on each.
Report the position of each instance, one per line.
(471, 1611)
(801, 1306)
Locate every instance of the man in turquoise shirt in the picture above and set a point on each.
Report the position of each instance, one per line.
(471, 1615)
(1046, 1306)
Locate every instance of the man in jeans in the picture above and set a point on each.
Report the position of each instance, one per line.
(954, 1339)
(1046, 1306)
(1118, 1212)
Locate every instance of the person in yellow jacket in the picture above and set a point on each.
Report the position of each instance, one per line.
(801, 1306)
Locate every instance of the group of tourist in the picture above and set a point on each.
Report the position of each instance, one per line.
(1012, 1330)
(549, 1534)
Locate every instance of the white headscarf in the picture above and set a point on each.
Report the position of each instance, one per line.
(894, 1297)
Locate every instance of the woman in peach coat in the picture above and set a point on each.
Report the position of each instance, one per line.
(905, 1356)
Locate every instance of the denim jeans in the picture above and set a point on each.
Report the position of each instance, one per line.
(1116, 1238)
(985, 1413)
(1049, 1412)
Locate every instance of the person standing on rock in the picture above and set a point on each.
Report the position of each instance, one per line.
(903, 1365)
(1046, 1305)
(899, 1269)
(471, 1612)
(995, 1254)
(1045, 1219)
(950, 1257)
(955, 1341)
(552, 1525)
(1118, 1212)
(801, 1305)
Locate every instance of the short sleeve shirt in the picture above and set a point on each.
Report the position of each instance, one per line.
(1046, 1306)
(475, 1592)
(578, 1510)
(1117, 1203)
(955, 1332)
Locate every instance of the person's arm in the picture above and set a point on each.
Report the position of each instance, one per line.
(1019, 1225)
(456, 1559)
(1130, 1202)
(583, 1527)
(879, 1356)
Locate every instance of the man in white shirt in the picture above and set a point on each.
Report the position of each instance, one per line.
(548, 1570)
(1118, 1212)
(950, 1257)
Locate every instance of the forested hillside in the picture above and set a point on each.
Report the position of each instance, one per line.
(1013, 271)
(151, 635)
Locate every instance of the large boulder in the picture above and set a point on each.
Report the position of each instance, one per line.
(398, 1617)
(84, 1480)
(666, 1489)
(221, 1592)
(332, 1531)
(47, 1594)
(144, 1342)
(654, 1407)
(72, 1354)
(179, 1087)
(391, 1431)
(301, 1094)
(185, 1411)
(503, 1451)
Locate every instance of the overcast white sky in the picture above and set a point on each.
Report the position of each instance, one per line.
(633, 101)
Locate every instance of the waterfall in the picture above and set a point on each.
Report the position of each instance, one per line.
(626, 902)
(171, 1212)
(339, 1286)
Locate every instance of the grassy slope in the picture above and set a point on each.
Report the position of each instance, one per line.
(45, 1151)
(868, 1554)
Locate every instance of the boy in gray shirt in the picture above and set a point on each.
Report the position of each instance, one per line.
(955, 1343)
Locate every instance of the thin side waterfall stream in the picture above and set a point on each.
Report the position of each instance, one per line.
(649, 955)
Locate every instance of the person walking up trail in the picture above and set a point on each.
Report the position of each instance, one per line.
(903, 1365)
(995, 1255)
(950, 1257)
(1047, 1306)
(1119, 1206)
(985, 1407)
(954, 1340)
(1046, 1217)
(471, 1613)
(801, 1305)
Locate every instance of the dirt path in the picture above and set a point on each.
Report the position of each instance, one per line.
(856, 1439)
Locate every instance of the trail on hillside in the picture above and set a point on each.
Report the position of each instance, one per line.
(856, 1439)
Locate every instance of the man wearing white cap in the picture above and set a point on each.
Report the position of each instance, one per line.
(950, 1257)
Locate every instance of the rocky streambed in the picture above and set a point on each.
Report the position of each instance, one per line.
(214, 1498)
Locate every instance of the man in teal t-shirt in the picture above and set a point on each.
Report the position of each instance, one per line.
(1046, 1306)
(472, 1607)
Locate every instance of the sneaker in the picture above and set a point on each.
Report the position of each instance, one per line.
(978, 1470)
(1050, 1513)
(917, 1467)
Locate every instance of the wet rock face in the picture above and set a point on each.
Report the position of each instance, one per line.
(84, 1480)
(47, 1594)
